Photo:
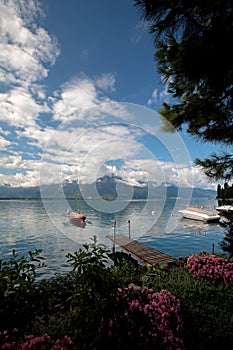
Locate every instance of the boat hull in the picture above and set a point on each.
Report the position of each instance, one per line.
(78, 222)
(225, 209)
(77, 218)
(198, 214)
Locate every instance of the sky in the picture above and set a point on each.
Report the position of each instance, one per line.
(79, 95)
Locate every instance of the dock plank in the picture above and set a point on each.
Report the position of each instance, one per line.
(142, 252)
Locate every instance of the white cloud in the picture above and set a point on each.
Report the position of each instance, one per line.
(85, 155)
(3, 143)
(158, 96)
(19, 108)
(16, 162)
(154, 98)
(29, 47)
(27, 51)
(76, 96)
(4, 132)
(87, 150)
(22, 65)
(84, 96)
(158, 172)
(106, 82)
(30, 178)
(20, 172)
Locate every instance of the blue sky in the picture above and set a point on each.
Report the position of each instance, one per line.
(79, 95)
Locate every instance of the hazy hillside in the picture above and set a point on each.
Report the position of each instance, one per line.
(108, 187)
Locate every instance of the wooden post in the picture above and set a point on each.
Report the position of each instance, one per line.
(129, 229)
(114, 236)
(213, 248)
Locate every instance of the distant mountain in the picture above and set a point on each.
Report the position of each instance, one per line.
(108, 187)
(19, 192)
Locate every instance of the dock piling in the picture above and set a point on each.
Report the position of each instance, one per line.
(114, 236)
(129, 229)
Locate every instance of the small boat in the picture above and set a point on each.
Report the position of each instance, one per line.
(198, 213)
(76, 216)
(78, 223)
(225, 209)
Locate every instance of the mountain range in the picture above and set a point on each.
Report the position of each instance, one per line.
(108, 187)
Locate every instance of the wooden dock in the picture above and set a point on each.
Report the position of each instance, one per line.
(145, 254)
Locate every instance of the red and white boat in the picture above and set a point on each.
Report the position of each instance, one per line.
(76, 216)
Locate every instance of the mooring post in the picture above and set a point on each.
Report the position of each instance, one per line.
(114, 236)
(129, 229)
(213, 248)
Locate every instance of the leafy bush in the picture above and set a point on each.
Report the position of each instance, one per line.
(93, 305)
(143, 319)
(227, 242)
(13, 341)
(18, 289)
(210, 267)
(77, 304)
(206, 307)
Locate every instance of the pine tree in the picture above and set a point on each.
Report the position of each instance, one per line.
(194, 57)
(227, 242)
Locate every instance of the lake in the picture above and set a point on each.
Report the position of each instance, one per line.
(35, 224)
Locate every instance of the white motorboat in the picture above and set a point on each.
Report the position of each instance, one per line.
(200, 214)
(225, 209)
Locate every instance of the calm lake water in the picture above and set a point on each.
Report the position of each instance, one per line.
(30, 224)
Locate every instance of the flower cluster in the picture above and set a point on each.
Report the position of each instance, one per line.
(210, 267)
(147, 318)
(13, 341)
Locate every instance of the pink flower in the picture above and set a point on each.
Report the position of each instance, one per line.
(160, 309)
(210, 267)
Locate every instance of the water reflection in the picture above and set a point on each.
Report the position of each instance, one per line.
(198, 226)
(26, 225)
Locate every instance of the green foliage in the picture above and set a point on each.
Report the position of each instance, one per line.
(127, 269)
(20, 270)
(227, 242)
(217, 166)
(195, 59)
(81, 303)
(225, 192)
(84, 298)
(17, 288)
(190, 37)
(206, 308)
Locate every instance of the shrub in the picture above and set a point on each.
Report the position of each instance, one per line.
(93, 305)
(210, 267)
(13, 341)
(144, 319)
(206, 307)
(18, 289)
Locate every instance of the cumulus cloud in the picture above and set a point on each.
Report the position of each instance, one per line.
(83, 95)
(77, 144)
(19, 108)
(29, 47)
(143, 171)
(76, 96)
(26, 179)
(26, 52)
